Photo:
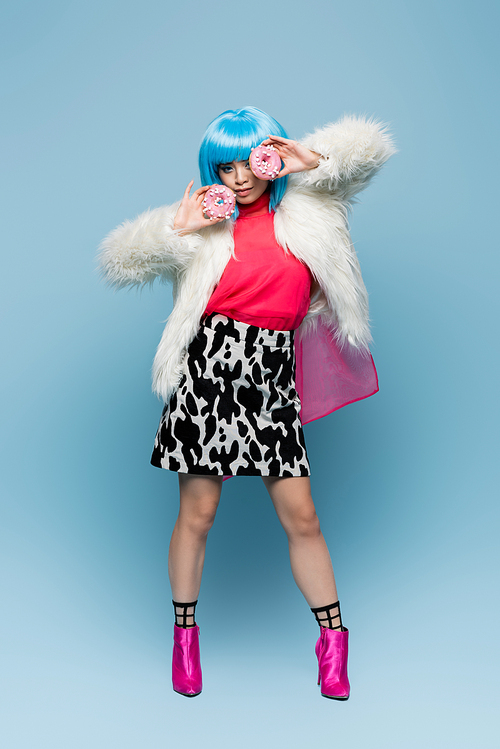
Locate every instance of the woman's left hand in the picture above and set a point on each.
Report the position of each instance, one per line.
(296, 157)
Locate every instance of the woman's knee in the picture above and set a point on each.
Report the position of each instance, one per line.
(201, 517)
(198, 506)
(303, 522)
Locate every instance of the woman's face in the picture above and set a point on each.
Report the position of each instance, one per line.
(241, 180)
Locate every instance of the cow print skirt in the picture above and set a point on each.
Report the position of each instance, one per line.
(236, 410)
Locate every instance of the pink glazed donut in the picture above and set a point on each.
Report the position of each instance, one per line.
(219, 202)
(265, 162)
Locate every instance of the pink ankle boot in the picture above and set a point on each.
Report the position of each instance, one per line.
(186, 666)
(331, 651)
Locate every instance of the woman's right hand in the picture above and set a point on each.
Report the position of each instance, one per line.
(189, 216)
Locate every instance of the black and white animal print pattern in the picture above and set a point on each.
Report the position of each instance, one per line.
(236, 411)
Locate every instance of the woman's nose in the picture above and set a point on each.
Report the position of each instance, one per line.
(241, 175)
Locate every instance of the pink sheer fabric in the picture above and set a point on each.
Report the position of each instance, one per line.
(328, 377)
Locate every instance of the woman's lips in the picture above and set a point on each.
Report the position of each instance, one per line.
(242, 193)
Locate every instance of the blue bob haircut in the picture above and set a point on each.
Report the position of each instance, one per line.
(231, 137)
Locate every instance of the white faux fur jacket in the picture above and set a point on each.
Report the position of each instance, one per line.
(310, 222)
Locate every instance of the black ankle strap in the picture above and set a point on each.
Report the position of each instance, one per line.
(329, 616)
(182, 614)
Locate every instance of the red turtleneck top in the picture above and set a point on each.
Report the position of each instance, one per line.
(262, 284)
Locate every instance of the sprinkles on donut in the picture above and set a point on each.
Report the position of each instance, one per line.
(265, 162)
(219, 202)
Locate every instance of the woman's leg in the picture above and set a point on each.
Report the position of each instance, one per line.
(309, 558)
(199, 499)
(313, 573)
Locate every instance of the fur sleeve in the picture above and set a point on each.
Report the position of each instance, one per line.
(353, 150)
(139, 251)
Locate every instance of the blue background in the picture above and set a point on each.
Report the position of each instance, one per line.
(104, 105)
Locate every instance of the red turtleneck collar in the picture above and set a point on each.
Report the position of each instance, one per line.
(259, 207)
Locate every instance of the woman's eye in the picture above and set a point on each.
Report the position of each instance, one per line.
(225, 169)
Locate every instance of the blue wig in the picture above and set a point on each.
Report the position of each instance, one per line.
(230, 137)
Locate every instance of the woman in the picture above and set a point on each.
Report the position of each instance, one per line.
(278, 283)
